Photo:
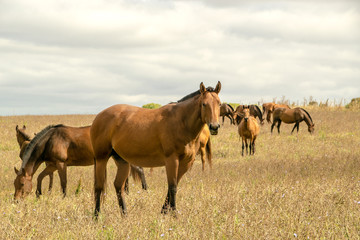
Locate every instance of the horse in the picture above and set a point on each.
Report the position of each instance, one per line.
(205, 147)
(295, 115)
(166, 136)
(254, 111)
(248, 129)
(59, 146)
(23, 140)
(226, 110)
(268, 109)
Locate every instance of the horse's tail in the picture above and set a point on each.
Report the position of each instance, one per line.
(208, 152)
(232, 109)
(307, 114)
(136, 173)
(37, 144)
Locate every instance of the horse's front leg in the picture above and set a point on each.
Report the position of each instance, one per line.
(242, 146)
(122, 174)
(50, 168)
(172, 167)
(296, 124)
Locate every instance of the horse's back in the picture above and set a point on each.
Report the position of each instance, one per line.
(71, 144)
(126, 129)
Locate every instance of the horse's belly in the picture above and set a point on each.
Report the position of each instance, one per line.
(145, 161)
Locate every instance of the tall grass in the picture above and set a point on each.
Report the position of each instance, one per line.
(296, 186)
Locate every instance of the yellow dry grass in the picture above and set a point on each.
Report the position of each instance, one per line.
(296, 186)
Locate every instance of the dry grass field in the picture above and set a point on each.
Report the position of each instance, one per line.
(296, 186)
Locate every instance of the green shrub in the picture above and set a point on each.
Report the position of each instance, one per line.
(151, 105)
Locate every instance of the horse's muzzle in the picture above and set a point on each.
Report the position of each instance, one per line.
(214, 128)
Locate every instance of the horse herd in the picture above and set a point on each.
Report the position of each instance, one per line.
(135, 137)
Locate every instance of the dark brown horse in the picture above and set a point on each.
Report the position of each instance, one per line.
(60, 146)
(24, 139)
(295, 115)
(268, 109)
(254, 111)
(248, 130)
(167, 136)
(226, 110)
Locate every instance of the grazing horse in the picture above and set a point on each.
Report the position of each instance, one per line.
(268, 109)
(254, 111)
(226, 110)
(60, 146)
(24, 139)
(248, 129)
(167, 136)
(295, 115)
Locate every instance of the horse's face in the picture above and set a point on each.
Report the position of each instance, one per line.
(22, 184)
(311, 128)
(20, 133)
(210, 107)
(246, 112)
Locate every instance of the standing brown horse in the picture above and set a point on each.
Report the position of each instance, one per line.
(60, 146)
(268, 109)
(254, 111)
(167, 136)
(295, 115)
(24, 139)
(248, 129)
(205, 146)
(226, 110)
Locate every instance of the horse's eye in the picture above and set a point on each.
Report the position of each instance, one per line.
(203, 104)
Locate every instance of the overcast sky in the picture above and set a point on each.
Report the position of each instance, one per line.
(81, 56)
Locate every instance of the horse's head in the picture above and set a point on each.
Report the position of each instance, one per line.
(311, 128)
(22, 183)
(210, 107)
(246, 112)
(20, 134)
(238, 117)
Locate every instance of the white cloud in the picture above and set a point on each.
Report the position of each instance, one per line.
(107, 52)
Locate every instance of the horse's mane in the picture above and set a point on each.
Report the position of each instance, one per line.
(232, 109)
(258, 109)
(307, 114)
(31, 146)
(191, 95)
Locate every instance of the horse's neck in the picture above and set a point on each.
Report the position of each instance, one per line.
(307, 119)
(22, 139)
(31, 167)
(191, 113)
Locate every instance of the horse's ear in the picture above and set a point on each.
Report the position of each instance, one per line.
(218, 87)
(24, 127)
(16, 171)
(17, 127)
(202, 88)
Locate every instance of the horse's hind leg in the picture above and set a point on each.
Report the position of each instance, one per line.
(100, 181)
(47, 171)
(272, 126)
(278, 126)
(122, 174)
(61, 166)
